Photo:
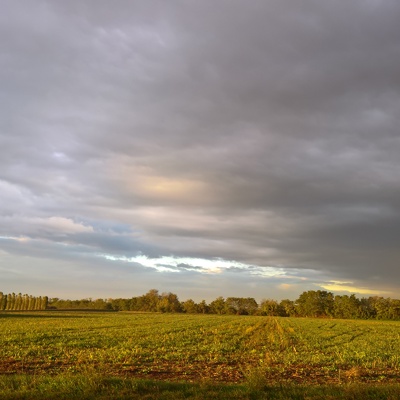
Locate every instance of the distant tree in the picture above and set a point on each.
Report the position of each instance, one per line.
(347, 307)
(44, 302)
(138, 304)
(8, 301)
(203, 308)
(288, 308)
(270, 307)
(189, 306)
(38, 305)
(380, 306)
(101, 304)
(150, 300)
(169, 302)
(394, 309)
(241, 305)
(18, 302)
(317, 303)
(120, 304)
(218, 306)
(25, 300)
(12, 301)
(30, 302)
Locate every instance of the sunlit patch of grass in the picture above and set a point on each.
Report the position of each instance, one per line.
(255, 353)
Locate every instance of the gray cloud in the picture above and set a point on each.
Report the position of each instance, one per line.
(264, 133)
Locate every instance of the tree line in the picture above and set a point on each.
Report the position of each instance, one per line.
(22, 302)
(312, 303)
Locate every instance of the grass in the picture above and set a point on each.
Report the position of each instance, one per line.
(165, 356)
(96, 387)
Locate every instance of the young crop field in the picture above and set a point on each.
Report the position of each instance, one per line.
(201, 348)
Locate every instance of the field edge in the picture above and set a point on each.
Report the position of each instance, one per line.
(96, 386)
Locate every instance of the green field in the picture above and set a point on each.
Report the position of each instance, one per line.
(123, 355)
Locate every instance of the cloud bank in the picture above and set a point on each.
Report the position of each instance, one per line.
(206, 148)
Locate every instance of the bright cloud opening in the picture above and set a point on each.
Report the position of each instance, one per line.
(207, 266)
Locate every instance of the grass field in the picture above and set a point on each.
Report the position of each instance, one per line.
(90, 355)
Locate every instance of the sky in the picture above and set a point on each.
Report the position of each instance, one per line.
(205, 148)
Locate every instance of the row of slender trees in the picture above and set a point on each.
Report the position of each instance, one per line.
(312, 303)
(22, 302)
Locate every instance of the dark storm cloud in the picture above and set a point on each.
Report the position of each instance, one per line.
(265, 132)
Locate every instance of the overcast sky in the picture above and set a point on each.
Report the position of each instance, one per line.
(207, 148)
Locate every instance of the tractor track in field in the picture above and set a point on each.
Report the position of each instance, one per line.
(208, 371)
